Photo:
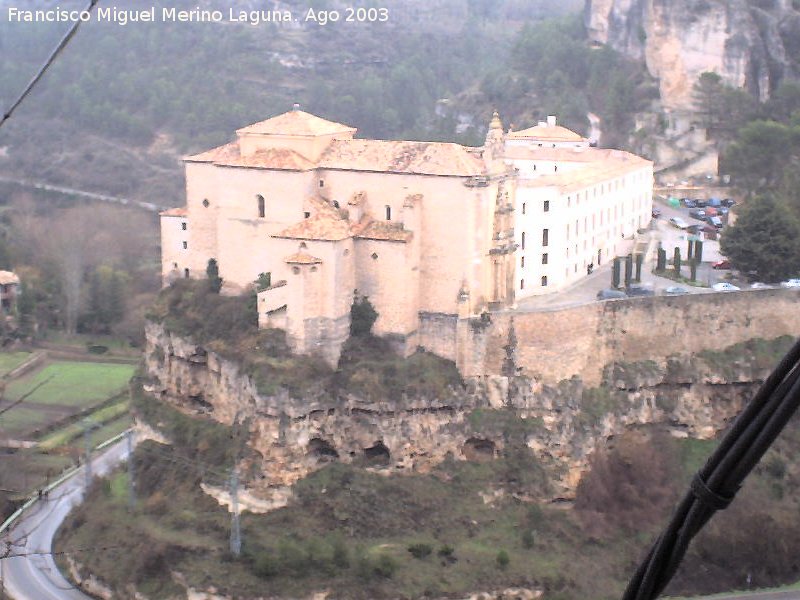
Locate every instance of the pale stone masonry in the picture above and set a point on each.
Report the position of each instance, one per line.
(426, 230)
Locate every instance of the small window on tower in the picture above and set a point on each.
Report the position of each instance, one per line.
(186, 273)
(547, 206)
(544, 280)
(183, 226)
(206, 203)
(321, 183)
(262, 206)
(306, 214)
(388, 213)
(522, 284)
(185, 245)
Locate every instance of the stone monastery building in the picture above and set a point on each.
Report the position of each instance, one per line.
(433, 233)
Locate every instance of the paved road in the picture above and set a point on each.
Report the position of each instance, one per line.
(36, 577)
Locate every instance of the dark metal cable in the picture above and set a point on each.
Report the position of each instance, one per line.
(717, 482)
(50, 60)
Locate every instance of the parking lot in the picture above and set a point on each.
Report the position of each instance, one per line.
(662, 233)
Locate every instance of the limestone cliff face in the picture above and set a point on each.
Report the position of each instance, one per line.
(752, 44)
(291, 437)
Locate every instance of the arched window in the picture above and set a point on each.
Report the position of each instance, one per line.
(262, 206)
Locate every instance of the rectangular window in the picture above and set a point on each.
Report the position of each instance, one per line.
(544, 280)
(523, 241)
(306, 215)
(544, 258)
(185, 245)
(522, 263)
(186, 273)
(321, 183)
(183, 226)
(522, 284)
(545, 236)
(547, 206)
(523, 208)
(388, 213)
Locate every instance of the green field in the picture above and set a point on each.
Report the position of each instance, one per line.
(73, 384)
(65, 389)
(11, 360)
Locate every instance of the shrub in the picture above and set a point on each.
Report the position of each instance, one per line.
(420, 550)
(362, 316)
(528, 539)
(502, 559)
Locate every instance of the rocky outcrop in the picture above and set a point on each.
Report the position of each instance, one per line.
(291, 437)
(752, 44)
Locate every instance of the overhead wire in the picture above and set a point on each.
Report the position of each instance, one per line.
(50, 60)
(715, 485)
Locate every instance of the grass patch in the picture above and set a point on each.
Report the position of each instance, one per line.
(72, 384)
(11, 360)
(100, 417)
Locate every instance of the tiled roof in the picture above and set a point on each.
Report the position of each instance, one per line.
(174, 212)
(321, 226)
(297, 122)
(616, 164)
(271, 158)
(545, 132)
(423, 158)
(302, 258)
(390, 231)
(7, 277)
(584, 154)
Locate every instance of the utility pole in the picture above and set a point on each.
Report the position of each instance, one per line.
(236, 534)
(87, 446)
(131, 473)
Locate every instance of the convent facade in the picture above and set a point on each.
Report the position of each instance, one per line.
(428, 231)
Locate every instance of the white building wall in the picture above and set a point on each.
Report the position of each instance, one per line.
(586, 225)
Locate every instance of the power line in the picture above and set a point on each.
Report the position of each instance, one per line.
(50, 60)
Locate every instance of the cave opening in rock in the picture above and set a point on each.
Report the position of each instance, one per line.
(322, 450)
(478, 449)
(377, 453)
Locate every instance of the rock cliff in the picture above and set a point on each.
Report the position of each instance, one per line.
(752, 44)
(291, 437)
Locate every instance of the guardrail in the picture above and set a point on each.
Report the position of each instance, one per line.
(71, 473)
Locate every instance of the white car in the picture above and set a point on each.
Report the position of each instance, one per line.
(724, 286)
(790, 283)
(760, 286)
(679, 223)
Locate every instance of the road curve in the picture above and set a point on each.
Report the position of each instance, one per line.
(35, 576)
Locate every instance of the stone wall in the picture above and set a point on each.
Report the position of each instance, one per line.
(556, 345)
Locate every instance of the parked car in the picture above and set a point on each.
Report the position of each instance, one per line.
(679, 223)
(722, 264)
(728, 202)
(791, 283)
(715, 221)
(697, 214)
(640, 290)
(689, 203)
(695, 228)
(760, 286)
(675, 290)
(715, 202)
(712, 212)
(610, 294)
(700, 202)
(722, 211)
(724, 286)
